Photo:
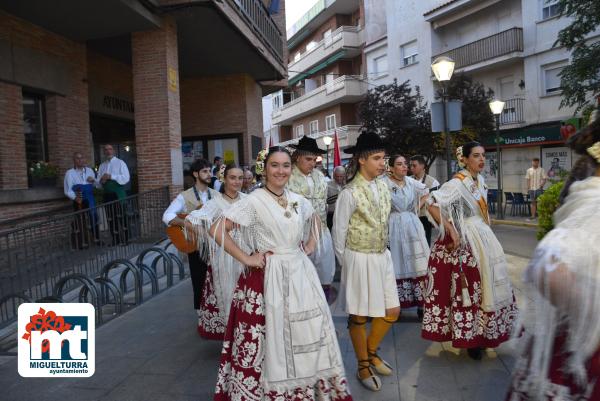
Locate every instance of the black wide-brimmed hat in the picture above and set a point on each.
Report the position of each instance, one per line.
(366, 142)
(308, 145)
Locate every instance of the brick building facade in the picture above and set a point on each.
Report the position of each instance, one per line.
(144, 78)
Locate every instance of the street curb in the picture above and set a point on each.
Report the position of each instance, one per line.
(514, 223)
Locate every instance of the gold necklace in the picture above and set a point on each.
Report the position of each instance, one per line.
(281, 201)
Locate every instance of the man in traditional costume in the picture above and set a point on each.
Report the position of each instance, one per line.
(113, 175)
(189, 200)
(310, 183)
(360, 232)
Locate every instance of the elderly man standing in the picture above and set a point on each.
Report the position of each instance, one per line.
(113, 175)
(334, 187)
(310, 183)
(78, 186)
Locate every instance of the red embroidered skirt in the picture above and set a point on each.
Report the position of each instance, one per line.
(243, 352)
(559, 385)
(410, 291)
(444, 316)
(210, 324)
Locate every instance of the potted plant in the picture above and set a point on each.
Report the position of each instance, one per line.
(43, 174)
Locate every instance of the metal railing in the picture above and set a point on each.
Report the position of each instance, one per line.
(326, 42)
(257, 15)
(36, 257)
(497, 45)
(512, 112)
(329, 87)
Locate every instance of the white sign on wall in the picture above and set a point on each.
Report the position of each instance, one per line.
(556, 161)
(490, 171)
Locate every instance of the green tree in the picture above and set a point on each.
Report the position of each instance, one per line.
(580, 80)
(401, 117)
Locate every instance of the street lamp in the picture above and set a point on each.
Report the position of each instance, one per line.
(443, 67)
(327, 141)
(496, 106)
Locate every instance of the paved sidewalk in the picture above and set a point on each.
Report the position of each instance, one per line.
(152, 353)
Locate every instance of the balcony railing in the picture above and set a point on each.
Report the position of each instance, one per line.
(512, 112)
(347, 88)
(497, 45)
(257, 15)
(344, 37)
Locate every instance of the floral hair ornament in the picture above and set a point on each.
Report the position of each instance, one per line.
(594, 151)
(221, 175)
(260, 161)
(460, 156)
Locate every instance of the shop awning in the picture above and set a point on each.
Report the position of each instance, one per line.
(317, 68)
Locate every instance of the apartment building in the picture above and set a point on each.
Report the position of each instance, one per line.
(325, 74)
(507, 45)
(164, 81)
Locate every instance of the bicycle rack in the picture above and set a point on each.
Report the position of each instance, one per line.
(167, 262)
(104, 299)
(129, 267)
(87, 283)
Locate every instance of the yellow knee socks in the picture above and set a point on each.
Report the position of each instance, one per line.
(358, 335)
(379, 328)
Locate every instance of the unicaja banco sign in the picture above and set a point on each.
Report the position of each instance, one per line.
(56, 340)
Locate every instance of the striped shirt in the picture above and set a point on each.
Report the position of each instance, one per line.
(535, 177)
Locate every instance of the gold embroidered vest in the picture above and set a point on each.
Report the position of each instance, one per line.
(317, 197)
(368, 229)
(191, 203)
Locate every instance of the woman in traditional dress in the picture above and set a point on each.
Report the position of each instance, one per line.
(468, 296)
(408, 243)
(280, 342)
(223, 270)
(560, 349)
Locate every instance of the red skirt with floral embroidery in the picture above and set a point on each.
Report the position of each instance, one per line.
(558, 385)
(410, 291)
(210, 323)
(444, 316)
(243, 352)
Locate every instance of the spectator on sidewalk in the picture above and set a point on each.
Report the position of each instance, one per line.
(536, 179)
(78, 186)
(113, 175)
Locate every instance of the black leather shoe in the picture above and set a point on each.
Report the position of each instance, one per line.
(475, 353)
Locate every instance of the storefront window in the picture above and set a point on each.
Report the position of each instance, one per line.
(34, 125)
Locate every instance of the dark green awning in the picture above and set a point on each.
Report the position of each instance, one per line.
(317, 68)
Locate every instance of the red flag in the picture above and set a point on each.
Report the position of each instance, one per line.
(337, 158)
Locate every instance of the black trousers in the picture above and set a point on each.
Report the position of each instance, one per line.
(198, 270)
(117, 219)
(329, 220)
(427, 226)
(84, 229)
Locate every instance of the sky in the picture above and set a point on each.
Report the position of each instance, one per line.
(294, 9)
